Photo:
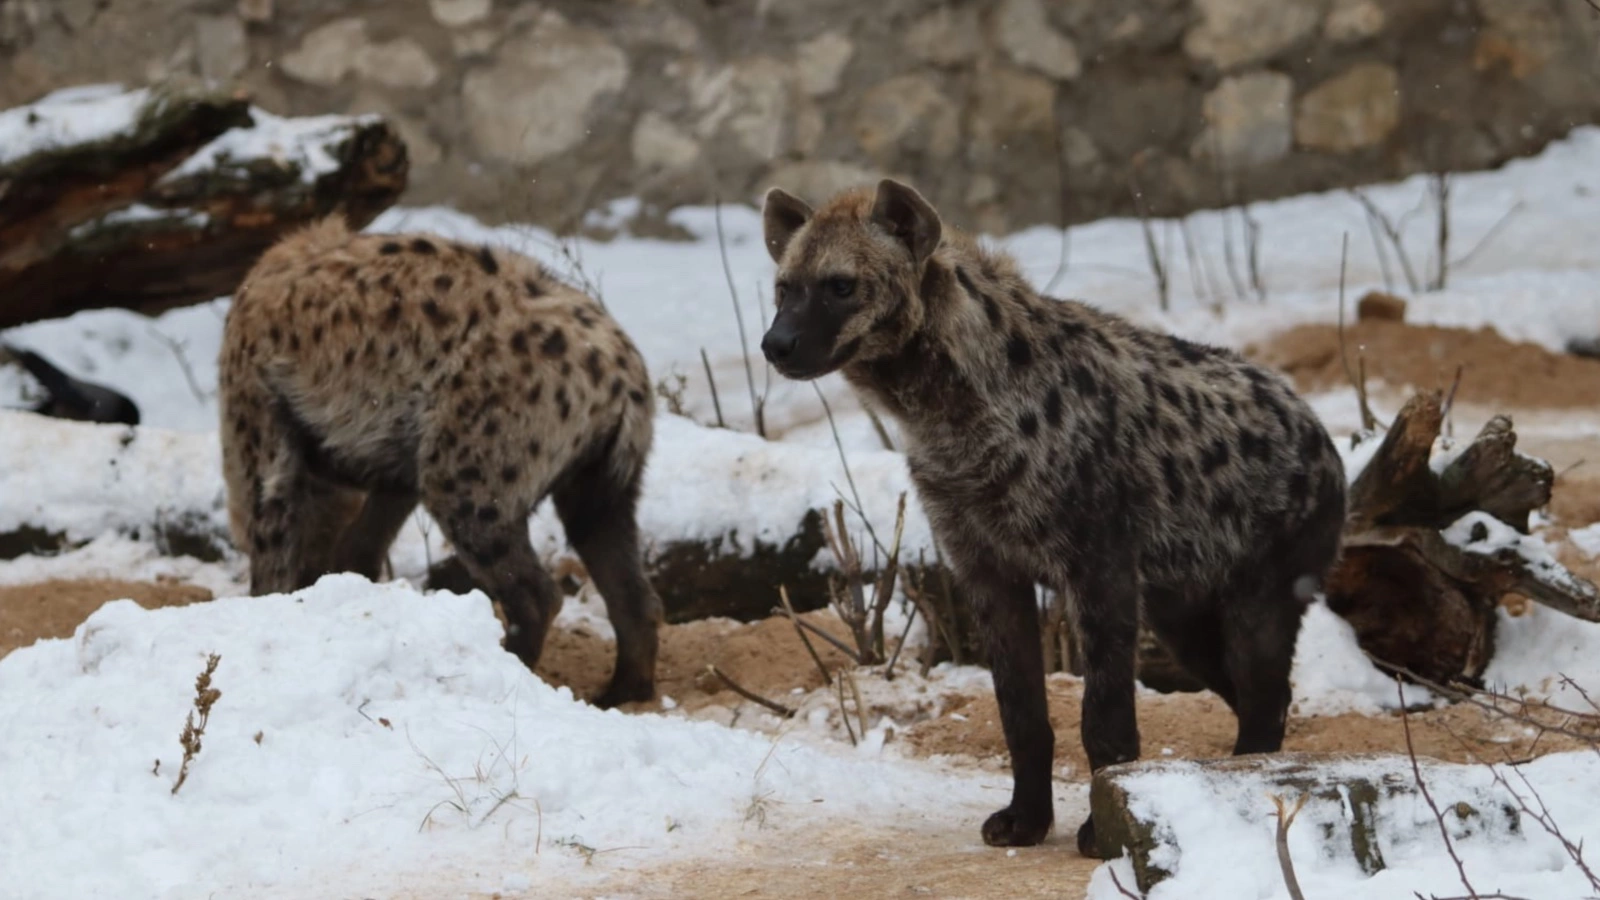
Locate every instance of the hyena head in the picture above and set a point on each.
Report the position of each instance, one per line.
(848, 276)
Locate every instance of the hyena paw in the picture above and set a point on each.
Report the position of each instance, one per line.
(1011, 827)
(625, 691)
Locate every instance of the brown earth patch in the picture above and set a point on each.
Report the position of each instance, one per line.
(52, 609)
(1498, 372)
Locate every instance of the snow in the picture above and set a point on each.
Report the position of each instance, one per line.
(1217, 832)
(368, 722)
(140, 213)
(74, 115)
(303, 143)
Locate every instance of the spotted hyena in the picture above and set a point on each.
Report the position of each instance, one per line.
(363, 373)
(1142, 475)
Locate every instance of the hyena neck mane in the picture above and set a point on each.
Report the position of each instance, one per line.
(976, 330)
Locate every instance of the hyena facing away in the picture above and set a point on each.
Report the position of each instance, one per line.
(1140, 474)
(361, 374)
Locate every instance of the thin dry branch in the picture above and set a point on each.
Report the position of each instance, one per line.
(1416, 772)
(757, 407)
(788, 608)
(1377, 220)
(1440, 186)
(750, 695)
(716, 401)
(1285, 861)
(1158, 266)
(1368, 421)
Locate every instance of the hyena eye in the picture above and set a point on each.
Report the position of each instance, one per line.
(840, 286)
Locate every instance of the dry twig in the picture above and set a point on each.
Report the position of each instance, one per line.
(1416, 772)
(205, 696)
(750, 695)
(757, 406)
(788, 608)
(716, 401)
(1285, 862)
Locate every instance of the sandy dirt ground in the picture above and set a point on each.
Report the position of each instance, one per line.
(946, 859)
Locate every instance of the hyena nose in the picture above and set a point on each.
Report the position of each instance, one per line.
(777, 347)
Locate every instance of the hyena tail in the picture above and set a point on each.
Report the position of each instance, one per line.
(635, 437)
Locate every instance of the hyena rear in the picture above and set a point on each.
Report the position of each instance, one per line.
(361, 373)
(1140, 474)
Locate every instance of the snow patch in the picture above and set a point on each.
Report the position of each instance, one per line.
(304, 143)
(75, 115)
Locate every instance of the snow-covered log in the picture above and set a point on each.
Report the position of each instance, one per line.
(152, 198)
(1438, 535)
(1171, 816)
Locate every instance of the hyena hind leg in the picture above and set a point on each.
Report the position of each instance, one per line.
(292, 520)
(598, 513)
(493, 545)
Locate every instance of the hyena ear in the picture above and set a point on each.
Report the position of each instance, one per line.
(902, 212)
(782, 216)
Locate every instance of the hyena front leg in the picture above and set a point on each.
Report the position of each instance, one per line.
(1006, 613)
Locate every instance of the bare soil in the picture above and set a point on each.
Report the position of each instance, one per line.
(1497, 372)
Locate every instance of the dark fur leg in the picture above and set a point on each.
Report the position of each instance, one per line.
(1193, 634)
(501, 560)
(365, 543)
(1107, 615)
(599, 518)
(1260, 632)
(1006, 611)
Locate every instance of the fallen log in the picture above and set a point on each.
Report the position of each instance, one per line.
(1438, 536)
(1355, 805)
(160, 197)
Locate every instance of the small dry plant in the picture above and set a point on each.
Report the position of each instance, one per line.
(205, 697)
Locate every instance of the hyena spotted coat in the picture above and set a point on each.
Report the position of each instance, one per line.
(363, 373)
(1142, 475)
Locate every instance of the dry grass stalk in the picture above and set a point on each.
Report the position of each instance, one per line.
(205, 697)
(748, 694)
(1285, 862)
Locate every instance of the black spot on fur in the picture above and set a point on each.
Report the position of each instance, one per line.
(1169, 470)
(555, 344)
(470, 474)
(391, 316)
(534, 393)
(591, 363)
(1252, 445)
(1029, 424)
(349, 355)
(487, 261)
(519, 343)
(488, 513)
(1084, 380)
(491, 427)
(1052, 407)
(616, 387)
(637, 396)
(423, 246)
(1214, 457)
(389, 248)
(532, 287)
(509, 474)
(1170, 394)
(1019, 351)
(563, 405)
(443, 282)
(436, 316)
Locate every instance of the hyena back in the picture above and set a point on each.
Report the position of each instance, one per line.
(1144, 476)
(361, 374)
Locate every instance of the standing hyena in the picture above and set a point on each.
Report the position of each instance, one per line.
(1050, 442)
(360, 374)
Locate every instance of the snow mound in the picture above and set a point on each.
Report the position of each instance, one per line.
(370, 723)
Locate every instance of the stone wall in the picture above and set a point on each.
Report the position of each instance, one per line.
(541, 110)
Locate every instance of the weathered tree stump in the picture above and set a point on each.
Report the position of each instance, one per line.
(1437, 536)
(1345, 797)
(171, 196)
